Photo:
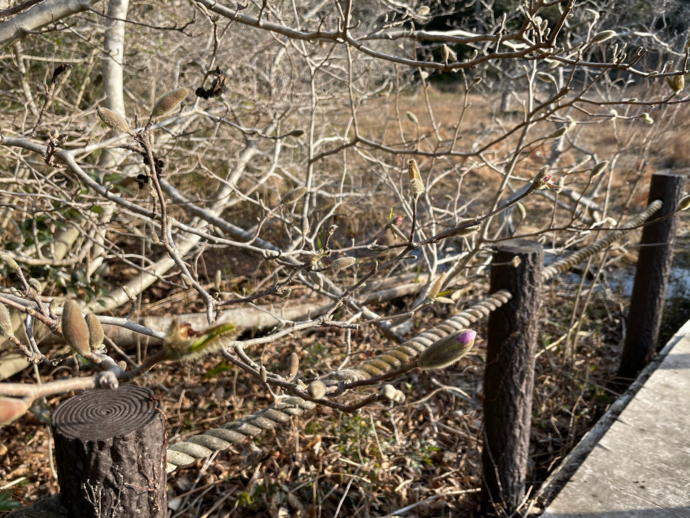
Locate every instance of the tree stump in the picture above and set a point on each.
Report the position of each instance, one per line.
(110, 453)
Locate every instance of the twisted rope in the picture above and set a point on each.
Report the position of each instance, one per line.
(204, 445)
(582, 255)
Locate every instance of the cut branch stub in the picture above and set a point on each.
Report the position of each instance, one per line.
(110, 450)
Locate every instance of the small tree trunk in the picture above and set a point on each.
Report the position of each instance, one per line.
(110, 451)
(509, 376)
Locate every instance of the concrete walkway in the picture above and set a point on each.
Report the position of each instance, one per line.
(641, 467)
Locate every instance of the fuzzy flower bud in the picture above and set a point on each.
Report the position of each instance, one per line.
(96, 334)
(436, 288)
(676, 83)
(447, 54)
(647, 118)
(35, 284)
(74, 328)
(293, 196)
(263, 374)
(603, 36)
(412, 117)
(447, 350)
(415, 178)
(6, 328)
(113, 120)
(11, 263)
(12, 409)
(316, 389)
(293, 366)
(547, 78)
(342, 263)
(389, 391)
(541, 178)
(599, 168)
(169, 102)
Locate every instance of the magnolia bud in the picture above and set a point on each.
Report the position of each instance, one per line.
(436, 288)
(447, 350)
(415, 178)
(11, 263)
(599, 168)
(12, 409)
(467, 231)
(6, 328)
(342, 263)
(74, 328)
(603, 36)
(313, 260)
(293, 366)
(423, 10)
(218, 279)
(547, 78)
(36, 285)
(113, 120)
(96, 334)
(332, 229)
(447, 54)
(169, 102)
(286, 293)
(412, 117)
(389, 392)
(316, 389)
(541, 178)
(263, 374)
(293, 196)
(676, 83)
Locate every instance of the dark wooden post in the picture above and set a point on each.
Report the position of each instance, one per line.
(110, 453)
(651, 278)
(509, 375)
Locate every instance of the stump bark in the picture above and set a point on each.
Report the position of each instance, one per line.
(110, 451)
(509, 376)
(651, 279)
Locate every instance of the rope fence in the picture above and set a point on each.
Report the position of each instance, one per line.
(205, 444)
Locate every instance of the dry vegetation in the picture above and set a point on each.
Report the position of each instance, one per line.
(360, 118)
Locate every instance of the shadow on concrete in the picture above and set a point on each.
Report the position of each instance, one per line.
(671, 512)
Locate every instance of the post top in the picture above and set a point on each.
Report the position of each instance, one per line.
(519, 246)
(101, 414)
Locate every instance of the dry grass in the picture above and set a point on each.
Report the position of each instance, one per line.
(382, 459)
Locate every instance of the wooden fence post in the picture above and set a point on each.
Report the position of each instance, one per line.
(110, 451)
(651, 278)
(509, 375)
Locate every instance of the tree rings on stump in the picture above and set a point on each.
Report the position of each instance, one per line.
(110, 453)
